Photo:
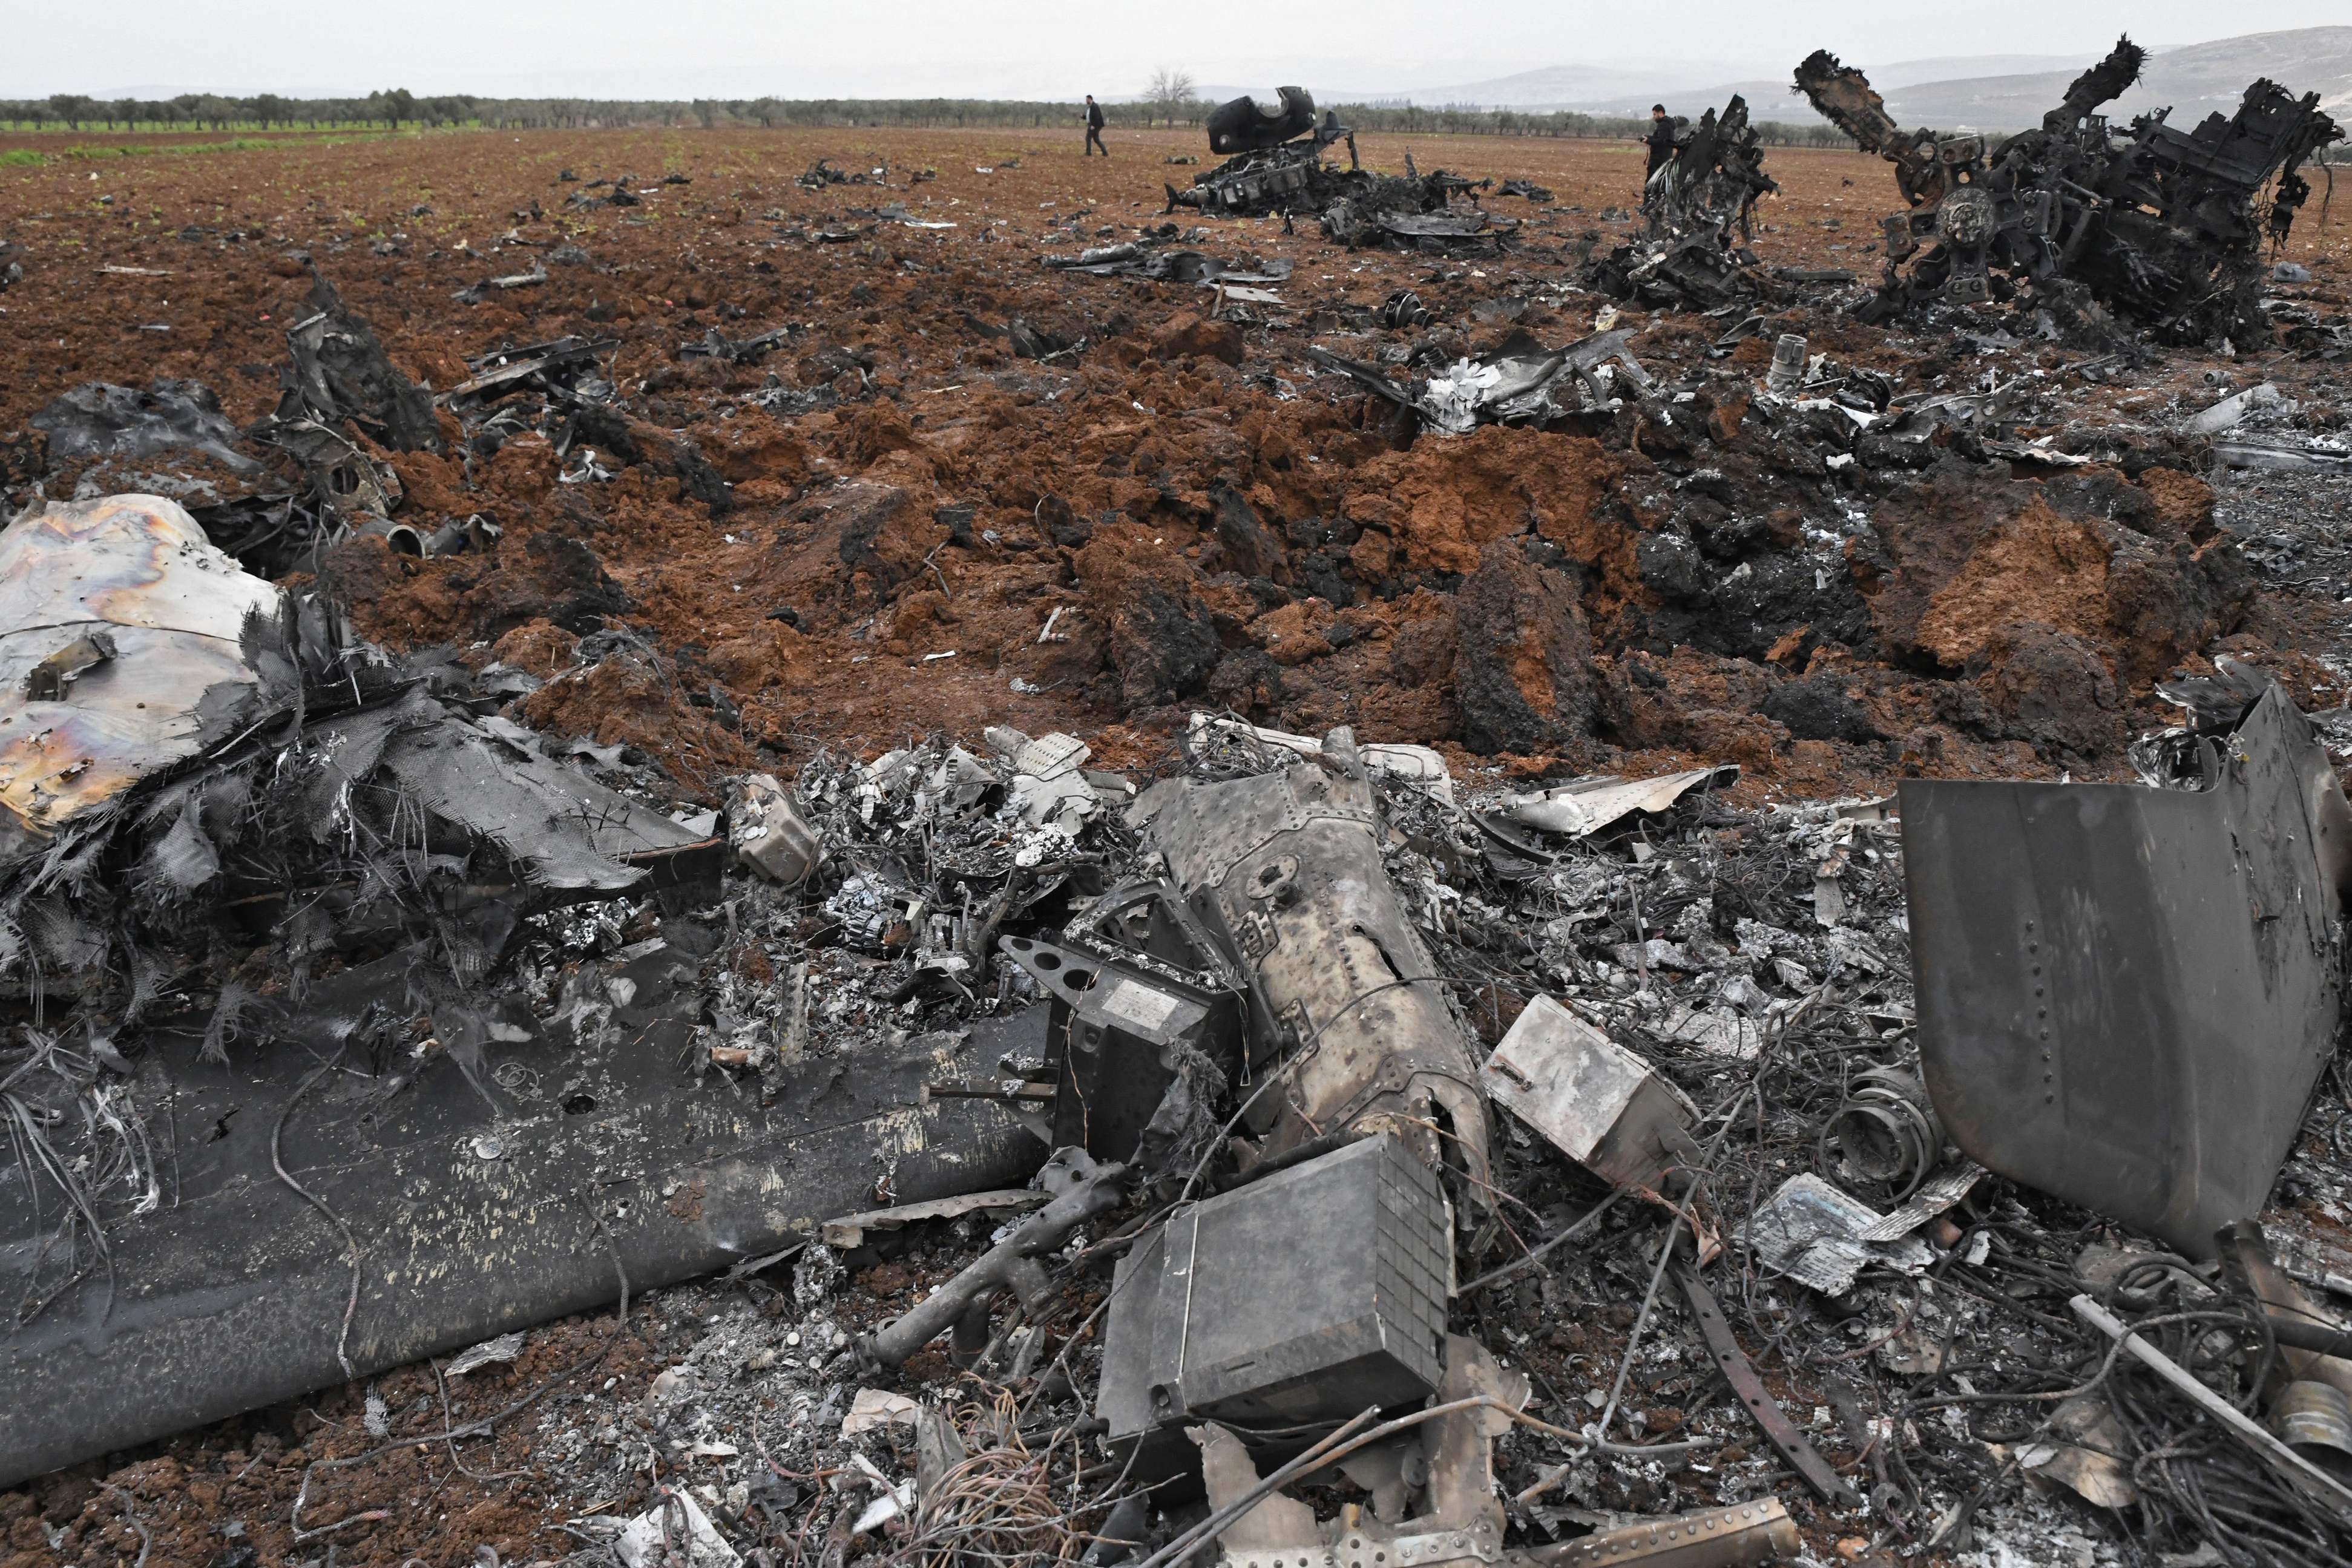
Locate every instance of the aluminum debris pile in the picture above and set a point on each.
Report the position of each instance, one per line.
(1323, 1292)
(1272, 999)
(2164, 228)
(1731, 1046)
(2261, 429)
(1366, 1116)
(1520, 383)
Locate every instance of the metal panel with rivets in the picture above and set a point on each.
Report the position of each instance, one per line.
(2126, 994)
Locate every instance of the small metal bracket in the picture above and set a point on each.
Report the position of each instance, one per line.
(1257, 934)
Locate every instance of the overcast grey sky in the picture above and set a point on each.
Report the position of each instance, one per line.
(1019, 49)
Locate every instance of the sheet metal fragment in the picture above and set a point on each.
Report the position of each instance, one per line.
(850, 1232)
(137, 570)
(1598, 1103)
(1823, 1237)
(2125, 995)
(1588, 805)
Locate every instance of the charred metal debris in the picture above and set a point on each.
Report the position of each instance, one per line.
(1698, 218)
(2163, 229)
(1274, 160)
(1277, 1154)
(280, 493)
(1364, 1113)
(285, 493)
(1278, 166)
(1520, 383)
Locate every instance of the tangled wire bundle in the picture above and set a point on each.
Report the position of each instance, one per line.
(996, 1505)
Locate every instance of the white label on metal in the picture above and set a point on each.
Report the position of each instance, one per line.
(1138, 1005)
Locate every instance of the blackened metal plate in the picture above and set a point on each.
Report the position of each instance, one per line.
(474, 1215)
(2127, 995)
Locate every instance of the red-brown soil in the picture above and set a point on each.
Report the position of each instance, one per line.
(1982, 622)
(1135, 431)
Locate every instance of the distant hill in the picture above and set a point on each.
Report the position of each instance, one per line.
(1768, 98)
(2194, 79)
(1594, 89)
(1991, 92)
(1955, 68)
(1554, 87)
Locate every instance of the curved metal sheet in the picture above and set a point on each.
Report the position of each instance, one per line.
(141, 569)
(2127, 995)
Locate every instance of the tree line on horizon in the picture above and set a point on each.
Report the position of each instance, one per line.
(1167, 102)
(1170, 101)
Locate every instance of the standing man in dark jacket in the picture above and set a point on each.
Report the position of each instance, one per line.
(1660, 139)
(1094, 128)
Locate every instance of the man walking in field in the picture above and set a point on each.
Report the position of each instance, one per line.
(1094, 128)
